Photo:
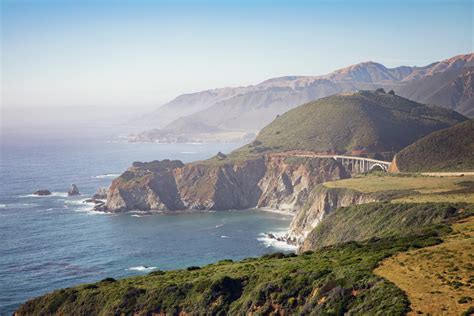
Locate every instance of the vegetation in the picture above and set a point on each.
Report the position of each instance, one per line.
(370, 121)
(331, 281)
(437, 279)
(378, 220)
(413, 187)
(450, 149)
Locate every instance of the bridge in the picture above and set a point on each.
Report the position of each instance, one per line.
(353, 164)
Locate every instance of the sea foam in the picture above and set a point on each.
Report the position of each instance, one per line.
(106, 175)
(141, 268)
(278, 244)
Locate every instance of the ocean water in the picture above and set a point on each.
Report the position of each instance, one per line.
(57, 241)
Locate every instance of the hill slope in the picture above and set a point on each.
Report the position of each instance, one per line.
(369, 121)
(249, 108)
(334, 280)
(450, 149)
(453, 89)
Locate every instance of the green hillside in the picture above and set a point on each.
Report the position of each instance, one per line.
(371, 121)
(365, 221)
(331, 281)
(450, 149)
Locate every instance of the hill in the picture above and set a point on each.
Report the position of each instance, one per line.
(334, 280)
(450, 149)
(248, 109)
(371, 122)
(453, 89)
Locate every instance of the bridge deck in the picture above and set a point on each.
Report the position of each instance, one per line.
(386, 163)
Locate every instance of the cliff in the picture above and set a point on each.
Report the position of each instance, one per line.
(264, 181)
(320, 203)
(379, 220)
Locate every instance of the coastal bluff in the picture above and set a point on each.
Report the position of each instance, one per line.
(282, 183)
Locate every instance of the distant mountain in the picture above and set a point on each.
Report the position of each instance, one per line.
(453, 89)
(450, 149)
(366, 121)
(248, 109)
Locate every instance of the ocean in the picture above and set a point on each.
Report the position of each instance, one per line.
(57, 241)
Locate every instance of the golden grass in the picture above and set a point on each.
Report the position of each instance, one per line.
(436, 278)
(437, 198)
(422, 184)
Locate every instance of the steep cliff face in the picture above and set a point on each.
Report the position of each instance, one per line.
(272, 182)
(321, 202)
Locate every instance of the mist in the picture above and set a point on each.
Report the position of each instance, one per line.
(70, 122)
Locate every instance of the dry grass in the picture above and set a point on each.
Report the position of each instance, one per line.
(437, 198)
(429, 189)
(420, 184)
(436, 278)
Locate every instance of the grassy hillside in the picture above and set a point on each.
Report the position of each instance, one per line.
(365, 221)
(450, 149)
(330, 281)
(375, 122)
(412, 188)
(437, 279)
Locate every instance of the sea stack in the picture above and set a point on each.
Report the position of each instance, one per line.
(73, 190)
(42, 192)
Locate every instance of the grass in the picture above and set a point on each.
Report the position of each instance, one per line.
(379, 220)
(416, 188)
(367, 120)
(424, 185)
(451, 149)
(331, 281)
(437, 279)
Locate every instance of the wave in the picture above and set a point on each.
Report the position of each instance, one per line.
(78, 202)
(277, 244)
(53, 194)
(142, 268)
(189, 152)
(225, 237)
(3, 205)
(106, 175)
(219, 225)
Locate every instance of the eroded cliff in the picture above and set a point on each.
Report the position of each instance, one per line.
(321, 202)
(266, 182)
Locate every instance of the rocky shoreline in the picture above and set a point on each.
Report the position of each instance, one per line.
(275, 184)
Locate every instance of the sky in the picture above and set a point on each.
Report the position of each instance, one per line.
(112, 53)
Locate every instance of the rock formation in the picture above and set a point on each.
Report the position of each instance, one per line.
(321, 202)
(42, 192)
(101, 194)
(264, 182)
(73, 190)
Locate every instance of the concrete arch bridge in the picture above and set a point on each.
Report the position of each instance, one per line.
(354, 164)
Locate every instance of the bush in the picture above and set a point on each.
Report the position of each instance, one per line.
(465, 300)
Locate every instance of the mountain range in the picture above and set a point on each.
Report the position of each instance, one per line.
(228, 114)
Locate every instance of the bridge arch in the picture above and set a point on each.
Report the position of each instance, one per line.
(378, 165)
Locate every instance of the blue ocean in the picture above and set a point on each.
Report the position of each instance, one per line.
(57, 241)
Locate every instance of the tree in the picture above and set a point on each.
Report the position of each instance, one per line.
(391, 92)
(380, 90)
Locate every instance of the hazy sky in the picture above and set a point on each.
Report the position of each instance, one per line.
(136, 53)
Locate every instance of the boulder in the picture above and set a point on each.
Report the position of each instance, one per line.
(101, 194)
(42, 192)
(73, 190)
